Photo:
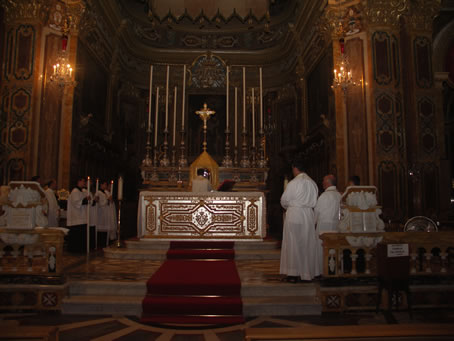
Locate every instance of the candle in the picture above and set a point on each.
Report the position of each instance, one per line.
(156, 118)
(167, 98)
(88, 185)
(244, 98)
(120, 188)
(253, 118)
(227, 101)
(261, 100)
(111, 188)
(236, 116)
(150, 96)
(182, 103)
(174, 115)
(97, 186)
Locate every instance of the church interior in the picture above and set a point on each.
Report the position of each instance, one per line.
(143, 93)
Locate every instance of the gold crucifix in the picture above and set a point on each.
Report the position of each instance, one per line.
(204, 115)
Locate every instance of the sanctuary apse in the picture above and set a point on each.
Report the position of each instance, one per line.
(392, 128)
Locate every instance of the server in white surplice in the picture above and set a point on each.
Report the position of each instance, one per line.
(77, 216)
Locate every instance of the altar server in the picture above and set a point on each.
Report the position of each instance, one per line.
(77, 216)
(327, 211)
(299, 251)
(53, 212)
(104, 211)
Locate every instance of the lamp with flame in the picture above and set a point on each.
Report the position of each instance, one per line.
(62, 70)
(342, 77)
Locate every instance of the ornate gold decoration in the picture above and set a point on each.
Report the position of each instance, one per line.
(218, 215)
(386, 12)
(421, 14)
(207, 71)
(25, 10)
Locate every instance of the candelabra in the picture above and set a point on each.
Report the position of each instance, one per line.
(165, 159)
(342, 77)
(182, 162)
(227, 162)
(119, 224)
(62, 70)
(147, 161)
(244, 159)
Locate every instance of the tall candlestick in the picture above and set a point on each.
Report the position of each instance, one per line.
(236, 116)
(120, 188)
(253, 118)
(244, 98)
(97, 186)
(261, 100)
(227, 101)
(167, 98)
(156, 118)
(111, 188)
(88, 185)
(174, 115)
(150, 96)
(182, 102)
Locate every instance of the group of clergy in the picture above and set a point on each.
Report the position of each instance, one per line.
(95, 209)
(307, 216)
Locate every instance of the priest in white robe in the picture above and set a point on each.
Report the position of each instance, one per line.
(299, 251)
(327, 211)
(53, 211)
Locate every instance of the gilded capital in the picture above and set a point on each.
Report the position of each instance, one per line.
(26, 10)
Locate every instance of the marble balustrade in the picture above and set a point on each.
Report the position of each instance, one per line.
(348, 255)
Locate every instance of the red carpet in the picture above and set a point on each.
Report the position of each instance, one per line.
(197, 284)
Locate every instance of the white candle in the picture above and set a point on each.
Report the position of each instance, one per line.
(111, 188)
(150, 97)
(261, 100)
(156, 118)
(88, 185)
(227, 101)
(182, 102)
(253, 118)
(244, 98)
(167, 98)
(174, 115)
(236, 116)
(120, 188)
(97, 186)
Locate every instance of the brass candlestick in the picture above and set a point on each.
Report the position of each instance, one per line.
(119, 224)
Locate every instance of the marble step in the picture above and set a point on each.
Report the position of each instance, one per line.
(156, 244)
(132, 305)
(110, 288)
(160, 254)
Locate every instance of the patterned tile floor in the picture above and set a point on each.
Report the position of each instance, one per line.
(125, 328)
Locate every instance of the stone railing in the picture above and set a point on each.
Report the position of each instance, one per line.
(31, 252)
(348, 255)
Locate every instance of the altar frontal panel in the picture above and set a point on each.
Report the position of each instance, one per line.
(227, 215)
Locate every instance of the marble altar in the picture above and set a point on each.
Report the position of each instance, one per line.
(195, 216)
